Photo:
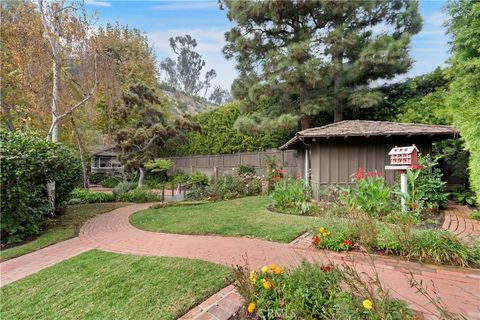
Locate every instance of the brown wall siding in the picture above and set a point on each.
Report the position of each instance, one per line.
(334, 161)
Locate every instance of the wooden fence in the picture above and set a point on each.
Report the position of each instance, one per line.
(227, 163)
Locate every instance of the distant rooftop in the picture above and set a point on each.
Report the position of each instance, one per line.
(366, 128)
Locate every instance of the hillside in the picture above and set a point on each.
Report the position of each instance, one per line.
(180, 103)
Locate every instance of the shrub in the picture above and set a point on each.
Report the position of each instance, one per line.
(388, 239)
(235, 186)
(292, 196)
(96, 177)
(315, 291)
(426, 188)
(198, 178)
(198, 193)
(475, 215)
(124, 187)
(89, 196)
(110, 182)
(246, 169)
(465, 197)
(372, 194)
(179, 178)
(139, 195)
(28, 163)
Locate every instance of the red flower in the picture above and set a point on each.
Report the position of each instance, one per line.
(347, 242)
(325, 268)
(360, 174)
(316, 240)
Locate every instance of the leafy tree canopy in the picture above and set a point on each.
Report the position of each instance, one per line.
(316, 56)
(464, 98)
(218, 135)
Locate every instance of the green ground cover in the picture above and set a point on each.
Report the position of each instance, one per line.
(239, 217)
(60, 228)
(101, 285)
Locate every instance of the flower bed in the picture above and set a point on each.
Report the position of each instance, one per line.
(315, 291)
(423, 245)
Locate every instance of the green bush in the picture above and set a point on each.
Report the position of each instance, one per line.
(110, 182)
(96, 177)
(198, 178)
(179, 177)
(426, 188)
(198, 193)
(292, 196)
(89, 196)
(139, 195)
(246, 169)
(234, 186)
(124, 187)
(372, 194)
(28, 163)
(475, 215)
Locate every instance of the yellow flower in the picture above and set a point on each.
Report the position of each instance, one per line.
(264, 269)
(252, 277)
(328, 233)
(267, 285)
(322, 229)
(272, 267)
(367, 304)
(324, 234)
(251, 307)
(277, 270)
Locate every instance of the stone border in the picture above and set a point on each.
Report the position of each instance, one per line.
(222, 305)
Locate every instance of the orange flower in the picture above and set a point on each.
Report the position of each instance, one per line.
(272, 267)
(267, 284)
(277, 270)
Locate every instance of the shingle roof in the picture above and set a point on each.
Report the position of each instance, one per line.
(366, 128)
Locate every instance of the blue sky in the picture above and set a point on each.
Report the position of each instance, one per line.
(161, 20)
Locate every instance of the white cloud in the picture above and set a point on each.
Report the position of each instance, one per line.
(208, 40)
(187, 5)
(98, 3)
(437, 19)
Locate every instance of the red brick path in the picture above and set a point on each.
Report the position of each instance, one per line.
(459, 288)
(25, 265)
(457, 221)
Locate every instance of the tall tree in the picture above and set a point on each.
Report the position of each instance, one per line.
(464, 97)
(146, 128)
(66, 28)
(129, 59)
(317, 55)
(219, 95)
(185, 73)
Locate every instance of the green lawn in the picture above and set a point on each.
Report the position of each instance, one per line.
(240, 217)
(60, 228)
(102, 285)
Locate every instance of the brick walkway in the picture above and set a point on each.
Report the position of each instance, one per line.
(17, 268)
(459, 288)
(457, 221)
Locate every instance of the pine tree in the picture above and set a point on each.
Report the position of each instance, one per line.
(317, 56)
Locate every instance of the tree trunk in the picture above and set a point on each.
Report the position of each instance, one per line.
(81, 151)
(54, 135)
(338, 116)
(142, 177)
(304, 122)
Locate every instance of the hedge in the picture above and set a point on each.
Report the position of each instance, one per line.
(28, 163)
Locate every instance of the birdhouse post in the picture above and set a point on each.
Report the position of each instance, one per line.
(402, 159)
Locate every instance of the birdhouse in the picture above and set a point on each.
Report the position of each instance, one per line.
(403, 155)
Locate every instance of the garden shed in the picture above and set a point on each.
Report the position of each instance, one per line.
(333, 153)
(105, 159)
